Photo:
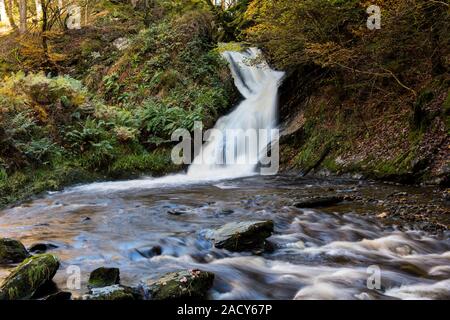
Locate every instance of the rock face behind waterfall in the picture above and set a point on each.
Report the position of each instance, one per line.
(28, 277)
(242, 236)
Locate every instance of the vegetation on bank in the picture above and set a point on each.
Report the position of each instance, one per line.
(101, 102)
(112, 115)
(367, 101)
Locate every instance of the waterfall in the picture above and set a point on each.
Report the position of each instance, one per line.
(258, 84)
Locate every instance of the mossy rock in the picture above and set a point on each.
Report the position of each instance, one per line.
(192, 284)
(115, 292)
(243, 236)
(12, 251)
(28, 277)
(104, 277)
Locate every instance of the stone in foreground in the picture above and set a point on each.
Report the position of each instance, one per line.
(193, 284)
(317, 202)
(104, 277)
(12, 251)
(28, 277)
(115, 292)
(243, 236)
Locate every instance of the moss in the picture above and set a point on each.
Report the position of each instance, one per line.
(12, 251)
(193, 284)
(104, 277)
(230, 46)
(243, 236)
(28, 277)
(157, 162)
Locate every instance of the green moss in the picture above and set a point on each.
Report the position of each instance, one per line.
(28, 277)
(104, 277)
(230, 46)
(12, 251)
(156, 162)
(192, 284)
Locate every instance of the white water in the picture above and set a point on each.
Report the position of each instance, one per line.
(258, 84)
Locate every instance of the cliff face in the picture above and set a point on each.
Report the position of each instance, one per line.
(327, 130)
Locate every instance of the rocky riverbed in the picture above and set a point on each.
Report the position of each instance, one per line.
(279, 237)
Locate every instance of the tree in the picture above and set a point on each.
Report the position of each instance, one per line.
(23, 16)
(9, 12)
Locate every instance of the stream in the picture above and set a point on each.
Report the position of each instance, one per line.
(149, 227)
(319, 254)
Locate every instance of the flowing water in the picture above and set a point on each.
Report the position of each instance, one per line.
(327, 253)
(318, 253)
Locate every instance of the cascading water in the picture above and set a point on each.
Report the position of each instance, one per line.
(258, 84)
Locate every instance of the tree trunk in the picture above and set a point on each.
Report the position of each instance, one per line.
(9, 13)
(45, 27)
(23, 16)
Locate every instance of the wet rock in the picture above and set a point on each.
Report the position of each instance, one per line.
(114, 292)
(242, 236)
(41, 247)
(58, 296)
(316, 202)
(193, 284)
(269, 247)
(149, 253)
(226, 211)
(104, 277)
(12, 251)
(28, 277)
(177, 212)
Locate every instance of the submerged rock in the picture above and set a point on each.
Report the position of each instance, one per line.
(41, 247)
(150, 252)
(316, 202)
(12, 251)
(242, 236)
(28, 277)
(114, 292)
(104, 277)
(193, 284)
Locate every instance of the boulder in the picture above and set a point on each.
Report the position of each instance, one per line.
(104, 277)
(114, 292)
(189, 284)
(316, 202)
(28, 277)
(243, 236)
(12, 251)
